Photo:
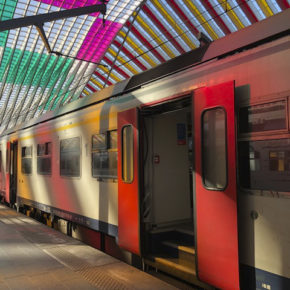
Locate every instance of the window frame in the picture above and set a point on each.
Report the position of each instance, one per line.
(80, 158)
(44, 156)
(202, 149)
(107, 150)
(30, 157)
(262, 136)
(268, 100)
(130, 181)
(258, 191)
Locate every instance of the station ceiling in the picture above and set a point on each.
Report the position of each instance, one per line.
(91, 52)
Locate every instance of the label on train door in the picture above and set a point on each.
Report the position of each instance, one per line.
(216, 191)
(128, 181)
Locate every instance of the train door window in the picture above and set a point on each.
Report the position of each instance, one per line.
(127, 154)
(70, 155)
(44, 158)
(214, 168)
(104, 155)
(26, 159)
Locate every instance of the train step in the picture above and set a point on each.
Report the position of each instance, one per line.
(186, 235)
(184, 253)
(183, 234)
(173, 267)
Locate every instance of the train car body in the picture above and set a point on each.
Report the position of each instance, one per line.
(205, 147)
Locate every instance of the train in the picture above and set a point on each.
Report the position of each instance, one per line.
(184, 168)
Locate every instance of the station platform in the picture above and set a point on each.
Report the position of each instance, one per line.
(34, 256)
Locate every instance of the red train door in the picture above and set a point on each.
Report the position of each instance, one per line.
(128, 181)
(7, 172)
(216, 193)
(11, 172)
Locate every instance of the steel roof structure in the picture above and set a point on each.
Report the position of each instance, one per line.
(92, 51)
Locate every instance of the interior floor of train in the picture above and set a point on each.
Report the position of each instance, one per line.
(35, 256)
(172, 250)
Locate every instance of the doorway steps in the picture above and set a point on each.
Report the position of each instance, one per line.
(174, 254)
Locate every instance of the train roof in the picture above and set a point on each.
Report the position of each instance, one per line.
(267, 30)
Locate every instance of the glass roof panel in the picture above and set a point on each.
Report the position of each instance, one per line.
(85, 48)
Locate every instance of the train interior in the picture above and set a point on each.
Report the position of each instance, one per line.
(167, 207)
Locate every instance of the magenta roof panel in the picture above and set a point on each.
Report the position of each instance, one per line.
(69, 4)
(98, 39)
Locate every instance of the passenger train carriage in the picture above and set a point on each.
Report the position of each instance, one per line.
(198, 145)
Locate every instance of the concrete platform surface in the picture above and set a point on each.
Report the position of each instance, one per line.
(34, 256)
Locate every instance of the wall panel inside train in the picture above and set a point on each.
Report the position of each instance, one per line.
(167, 166)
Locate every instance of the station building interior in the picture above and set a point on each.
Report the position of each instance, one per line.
(144, 144)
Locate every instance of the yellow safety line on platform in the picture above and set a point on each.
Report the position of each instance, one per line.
(203, 22)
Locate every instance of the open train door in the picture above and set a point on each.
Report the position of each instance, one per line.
(128, 181)
(216, 192)
(11, 172)
(7, 172)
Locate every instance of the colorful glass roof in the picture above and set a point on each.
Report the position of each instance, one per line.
(135, 36)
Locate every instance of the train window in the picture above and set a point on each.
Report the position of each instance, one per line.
(26, 159)
(127, 154)
(70, 154)
(44, 158)
(263, 117)
(99, 142)
(104, 155)
(214, 168)
(265, 164)
(113, 139)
